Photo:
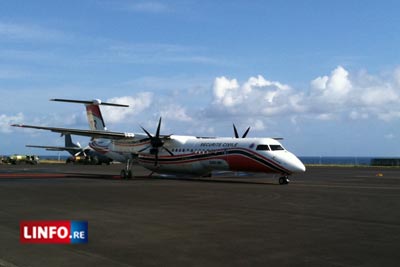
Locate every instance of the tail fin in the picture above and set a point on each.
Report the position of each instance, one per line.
(95, 119)
(68, 141)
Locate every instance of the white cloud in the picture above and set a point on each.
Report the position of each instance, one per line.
(379, 96)
(257, 125)
(175, 112)
(320, 83)
(396, 75)
(359, 96)
(340, 95)
(226, 91)
(325, 116)
(137, 104)
(6, 121)
(389, 115)
(257, 96)
(333, 88)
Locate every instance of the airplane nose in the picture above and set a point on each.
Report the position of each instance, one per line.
(296, 165)
(299, 167)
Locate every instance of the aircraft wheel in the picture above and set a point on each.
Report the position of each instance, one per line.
(123, 174)
(283, 180)
(129, 175)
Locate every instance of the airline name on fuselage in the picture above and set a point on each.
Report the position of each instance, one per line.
(219, 145)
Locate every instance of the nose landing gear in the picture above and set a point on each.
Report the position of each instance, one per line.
(127, 172)
(284, 180)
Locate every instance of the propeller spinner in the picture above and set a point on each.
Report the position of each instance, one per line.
(156, 143)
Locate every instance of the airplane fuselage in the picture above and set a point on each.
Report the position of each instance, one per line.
(201, 156)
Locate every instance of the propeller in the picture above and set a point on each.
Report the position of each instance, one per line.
(156, 143)
(236, 132)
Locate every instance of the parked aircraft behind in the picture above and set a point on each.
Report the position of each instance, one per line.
(178, 154)
(88, 155)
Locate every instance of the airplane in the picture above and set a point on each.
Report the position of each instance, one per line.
(181, 154)
(90, 156)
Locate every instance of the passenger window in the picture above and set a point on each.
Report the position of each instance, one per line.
(262, 147)
(276, 147)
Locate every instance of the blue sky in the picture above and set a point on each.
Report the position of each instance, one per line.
(325, 75)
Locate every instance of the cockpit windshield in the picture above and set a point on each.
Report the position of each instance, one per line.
(276, 147)
(262, 147)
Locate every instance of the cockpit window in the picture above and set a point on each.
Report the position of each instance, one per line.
(262, 147)
(276, 147)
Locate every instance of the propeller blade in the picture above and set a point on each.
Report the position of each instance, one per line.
(235, 131)
(168, 151)
(246, 132)
(158, 129)
(148, 134)
(147, 147)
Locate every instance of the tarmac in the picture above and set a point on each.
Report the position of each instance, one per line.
(328, 216)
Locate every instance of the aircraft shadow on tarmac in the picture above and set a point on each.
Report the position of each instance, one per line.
(226, 179)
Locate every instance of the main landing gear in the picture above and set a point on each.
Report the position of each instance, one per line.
(127, 172)
(284, 180)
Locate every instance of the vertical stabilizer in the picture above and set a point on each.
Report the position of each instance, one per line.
(95, 119)
(68, 141)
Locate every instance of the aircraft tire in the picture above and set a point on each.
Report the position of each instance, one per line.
(129, 175)
(283, 180)
(123, 174)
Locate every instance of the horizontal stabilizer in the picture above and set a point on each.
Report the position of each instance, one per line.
(89, 102)
(55, 148)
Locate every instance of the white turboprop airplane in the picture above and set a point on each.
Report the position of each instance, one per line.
(178, 154)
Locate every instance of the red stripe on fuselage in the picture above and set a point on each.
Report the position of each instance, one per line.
(236, 162)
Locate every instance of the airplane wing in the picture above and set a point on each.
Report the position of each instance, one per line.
(55, 148)
(90, 133)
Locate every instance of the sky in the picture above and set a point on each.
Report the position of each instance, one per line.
(324, 75)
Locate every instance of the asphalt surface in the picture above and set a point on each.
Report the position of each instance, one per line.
(325, 217)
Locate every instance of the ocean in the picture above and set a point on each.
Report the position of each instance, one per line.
(337, 160)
